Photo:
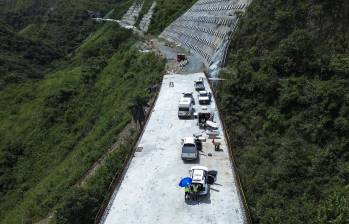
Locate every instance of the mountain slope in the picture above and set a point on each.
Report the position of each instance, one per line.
(165, 12)
(68, 84)
(36, 33)
(285, 103)
(22, 58)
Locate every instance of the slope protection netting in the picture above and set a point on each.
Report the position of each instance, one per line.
(205, 29)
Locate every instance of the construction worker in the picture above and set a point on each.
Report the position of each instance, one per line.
(186, 192)
(195, 191)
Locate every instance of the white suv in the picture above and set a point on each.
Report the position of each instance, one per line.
(189, 95)
(204, 97)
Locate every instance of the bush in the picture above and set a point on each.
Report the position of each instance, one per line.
(78, 206)
(285, 105)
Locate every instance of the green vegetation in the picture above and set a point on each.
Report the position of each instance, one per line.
(167, 11)
(80, 204)
(146, 6)
(63, 24)
(36, 33)
(21, 58)
(65, 96)
(285, 103)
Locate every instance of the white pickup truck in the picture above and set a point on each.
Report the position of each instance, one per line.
(203, 178)
(204, 97)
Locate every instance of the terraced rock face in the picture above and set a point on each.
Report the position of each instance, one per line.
(130, 17)
(144, 24)
(205, 28)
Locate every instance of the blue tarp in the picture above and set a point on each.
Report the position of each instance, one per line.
(185, 182)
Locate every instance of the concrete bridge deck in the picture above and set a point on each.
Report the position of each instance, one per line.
(149, 192)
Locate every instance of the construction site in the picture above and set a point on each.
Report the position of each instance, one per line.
(184, 115)
(174, 111)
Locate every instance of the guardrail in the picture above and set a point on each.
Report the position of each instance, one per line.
(236, 173)
(227, 137)
(233, 161)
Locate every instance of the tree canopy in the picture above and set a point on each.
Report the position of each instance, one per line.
(286, 106)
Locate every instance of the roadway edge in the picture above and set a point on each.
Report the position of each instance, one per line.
(243, 201)
(116, 182)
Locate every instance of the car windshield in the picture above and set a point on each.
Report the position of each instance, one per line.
(183, 109)
(187, 95)
(203, 94)
(188, 148)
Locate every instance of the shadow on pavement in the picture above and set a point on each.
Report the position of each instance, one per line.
(201, 200)
(213, 189)
(197, 161)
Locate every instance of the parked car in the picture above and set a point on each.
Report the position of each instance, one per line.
(185, 108)
(189, 149)
(204, 97)
(203, 178)
(199, 84)
(189, 95)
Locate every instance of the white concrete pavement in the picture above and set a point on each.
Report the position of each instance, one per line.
(149, 192)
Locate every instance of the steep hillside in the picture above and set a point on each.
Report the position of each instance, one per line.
(67, 88)
(166, 11)
(285, 101)
(54, 129)
(54, 22)
(35, 33)
(22, 58)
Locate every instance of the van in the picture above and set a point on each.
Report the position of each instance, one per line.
(204, 97)
(185, 108)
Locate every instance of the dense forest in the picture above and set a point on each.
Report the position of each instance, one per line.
(67, 84)
(285, 101)
(167, 11)
(34, 33)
